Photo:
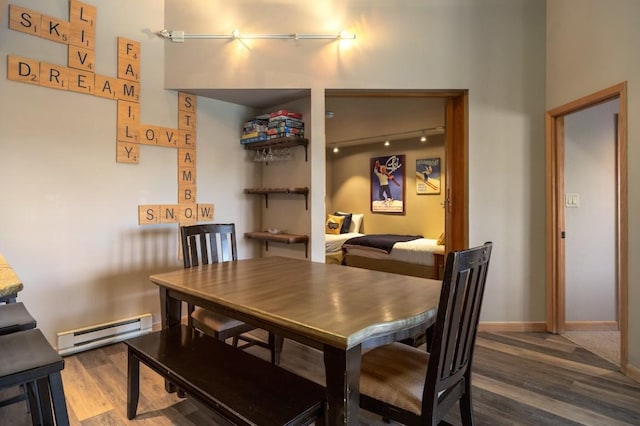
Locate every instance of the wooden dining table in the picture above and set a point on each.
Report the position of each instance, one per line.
(337, 309)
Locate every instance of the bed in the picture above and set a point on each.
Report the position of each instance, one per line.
(333, 246)
(334, 238)
(409, 256)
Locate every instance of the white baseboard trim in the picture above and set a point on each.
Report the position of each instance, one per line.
(591, 326)
(512, 326)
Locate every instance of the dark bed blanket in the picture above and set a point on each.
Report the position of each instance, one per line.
(381, 241)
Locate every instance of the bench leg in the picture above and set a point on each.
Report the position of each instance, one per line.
(33, 403)
(133, 384)
(58, 399)
(44, 401)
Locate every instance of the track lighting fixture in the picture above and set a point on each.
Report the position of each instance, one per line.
(179, 36)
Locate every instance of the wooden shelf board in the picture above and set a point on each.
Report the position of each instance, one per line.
(280, 238)
(279, 142)
(296, 190)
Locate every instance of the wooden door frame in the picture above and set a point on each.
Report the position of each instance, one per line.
(456, 172)
(555, 220)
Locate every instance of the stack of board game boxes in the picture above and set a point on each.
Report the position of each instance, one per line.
(278, 124)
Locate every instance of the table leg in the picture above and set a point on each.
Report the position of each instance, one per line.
(170, 309)
(170, 315)
(133, 384)
(275, 343)
(343, 385)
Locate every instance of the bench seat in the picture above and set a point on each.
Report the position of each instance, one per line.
(29, 360)
(15, 317)
(241, 387)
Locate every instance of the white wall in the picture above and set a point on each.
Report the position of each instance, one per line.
(68, 216)
(590, 244)
(591, 46)
(69, 222)
(494, 48)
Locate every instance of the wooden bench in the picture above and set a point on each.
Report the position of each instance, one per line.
(29, 360)
(15, 317)
(241, 387)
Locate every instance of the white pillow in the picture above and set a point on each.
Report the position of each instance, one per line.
(356, 221)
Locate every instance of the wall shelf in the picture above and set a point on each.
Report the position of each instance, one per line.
(279, 238)
(266, 191)
(279, 143)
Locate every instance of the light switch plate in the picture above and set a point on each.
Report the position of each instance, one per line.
(572, 200)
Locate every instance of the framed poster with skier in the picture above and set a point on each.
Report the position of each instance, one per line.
(428, 176)
(387, 184)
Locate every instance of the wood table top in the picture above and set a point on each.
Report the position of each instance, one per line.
(336, 305)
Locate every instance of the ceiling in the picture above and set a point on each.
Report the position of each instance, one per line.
(254, 98)
(367, 119)
(354, 117)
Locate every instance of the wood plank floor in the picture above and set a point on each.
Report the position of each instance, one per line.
(519, 379)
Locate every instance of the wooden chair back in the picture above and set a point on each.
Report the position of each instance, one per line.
(208, 243)
(215, 243)
(449, 371)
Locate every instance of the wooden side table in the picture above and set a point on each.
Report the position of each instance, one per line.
(438, 263)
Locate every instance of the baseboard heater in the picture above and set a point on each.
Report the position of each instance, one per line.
(82, 339)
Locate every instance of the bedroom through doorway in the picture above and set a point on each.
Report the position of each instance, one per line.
(419, 125)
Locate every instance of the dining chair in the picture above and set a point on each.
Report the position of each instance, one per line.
(215, 243)
(415, 387)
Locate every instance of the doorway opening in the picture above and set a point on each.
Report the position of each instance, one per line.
(555, 211)
(455, 157)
